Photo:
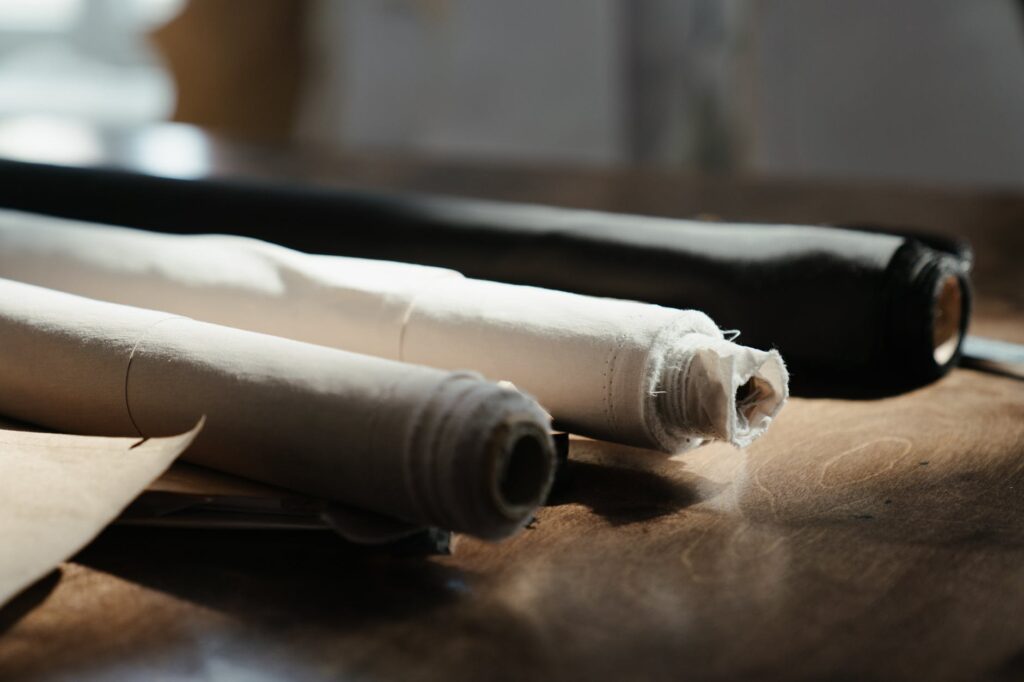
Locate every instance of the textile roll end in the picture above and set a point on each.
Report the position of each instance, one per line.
(721, 391)
(485, 459)
(947, 318)
(929, 309)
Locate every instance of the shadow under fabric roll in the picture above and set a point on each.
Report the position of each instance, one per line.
(845, 307)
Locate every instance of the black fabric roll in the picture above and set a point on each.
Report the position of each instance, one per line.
(845, 307)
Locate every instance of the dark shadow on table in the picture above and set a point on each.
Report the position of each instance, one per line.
(308, 575)
(27, 600)
(624, 495)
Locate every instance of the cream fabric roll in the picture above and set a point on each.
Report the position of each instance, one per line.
(618, 370)
(419, 444)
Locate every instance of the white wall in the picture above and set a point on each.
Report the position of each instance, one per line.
(930, 91)
(526, 79)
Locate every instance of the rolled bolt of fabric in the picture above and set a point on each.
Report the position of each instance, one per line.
(438, 448)
(624, 371)
(845, 308)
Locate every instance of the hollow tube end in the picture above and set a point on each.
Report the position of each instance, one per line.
(485, 460)
(947, 318)
(522, 468)
(716, 389)
(930, 310)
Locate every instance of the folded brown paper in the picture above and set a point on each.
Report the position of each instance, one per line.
(57, 492)
(436, 448)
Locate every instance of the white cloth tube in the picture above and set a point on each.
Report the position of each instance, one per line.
(419, 444)
(619, 370)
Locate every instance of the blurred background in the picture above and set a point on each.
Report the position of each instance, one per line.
(926, 92)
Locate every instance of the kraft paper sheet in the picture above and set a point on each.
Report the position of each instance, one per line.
(57, 492)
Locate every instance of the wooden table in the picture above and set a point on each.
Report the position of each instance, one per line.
(868, 539)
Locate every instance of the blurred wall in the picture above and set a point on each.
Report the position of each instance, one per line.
(924, 91)
(930, 91)
(239, 65)
(84, 58)
(530, 79)
(919, 91)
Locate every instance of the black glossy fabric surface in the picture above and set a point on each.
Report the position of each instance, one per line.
(845, 307)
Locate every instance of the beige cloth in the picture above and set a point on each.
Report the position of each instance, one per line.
(57, 492)
(619, 370)
(422, 445)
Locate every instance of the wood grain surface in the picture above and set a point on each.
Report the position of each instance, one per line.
(879, 538)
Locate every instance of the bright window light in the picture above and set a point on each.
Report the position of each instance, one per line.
(38, 15)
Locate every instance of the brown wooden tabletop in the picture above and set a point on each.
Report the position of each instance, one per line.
(859, 539)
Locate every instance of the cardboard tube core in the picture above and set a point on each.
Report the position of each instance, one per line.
(946, 319)
(525, 468)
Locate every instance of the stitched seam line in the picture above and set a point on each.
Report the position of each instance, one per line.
(411, 307)
(609, 389)
(128, 368)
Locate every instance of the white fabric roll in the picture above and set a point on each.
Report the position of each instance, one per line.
(619, 370)
(419, 444)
